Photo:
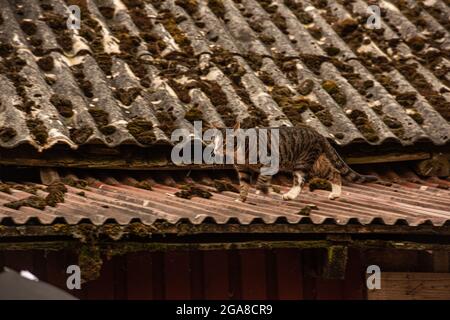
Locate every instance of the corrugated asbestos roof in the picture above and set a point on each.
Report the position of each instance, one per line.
(409, 200)
(137, 69)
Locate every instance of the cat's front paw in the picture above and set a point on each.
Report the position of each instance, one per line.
(288, 196)
(240, 200)
(333, 196)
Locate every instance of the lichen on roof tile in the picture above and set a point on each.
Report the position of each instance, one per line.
(349, 81)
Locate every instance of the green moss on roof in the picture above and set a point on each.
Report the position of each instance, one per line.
(142, 131)
(38, 130)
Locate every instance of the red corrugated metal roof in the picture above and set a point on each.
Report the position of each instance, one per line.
(409, 199)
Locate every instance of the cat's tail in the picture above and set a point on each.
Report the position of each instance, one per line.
(346, 172)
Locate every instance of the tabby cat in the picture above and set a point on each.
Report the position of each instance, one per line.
(304, 152)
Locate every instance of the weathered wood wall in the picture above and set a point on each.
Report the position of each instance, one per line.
(227, 274)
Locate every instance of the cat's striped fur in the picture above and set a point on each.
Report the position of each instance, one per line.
(305, 153)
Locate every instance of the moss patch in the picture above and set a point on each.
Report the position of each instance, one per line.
(29, 27)
(90, 262)
(194, 114)
(280, 22)
(181, 90)
(231, 67)
(346, 27)
(266, 78)
(38, 130)
(319, 184)
(415, 115)
(58, 25)
(189, 191)
(333, 90)
(392, 122)
(166, 122)
(297, 8)
(360, 119)
(127, 96)
(101, 118)
(5, 188)
(46, 63)
(305, 87)
(80, 135)
(191, 6)
(417, 43)
(313, 62)
(76, 183)
(155, 45)
(32, 201)
(214, 92)
(332, 51)
(5, 49)
(316, 32)
(292, 107)
(56, 193)
(330, 86)
(227, 115)
(143, 185)
(257, 118)
(325, 117)
(406, 99)
(142, 131)
(107, 12)
(11, 66)
(266, 39)
(26, 107)
(222, 185)
(217, 8)
(84, 84)
(7, 133)
(394, 125)
(29, 188)
(63, 105)
(306, 210)
(170, 23)
(254, 60)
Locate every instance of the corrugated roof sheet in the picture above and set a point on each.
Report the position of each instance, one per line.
(137, 69)
(123, 200)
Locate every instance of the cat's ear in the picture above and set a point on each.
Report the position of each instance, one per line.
(237, 126)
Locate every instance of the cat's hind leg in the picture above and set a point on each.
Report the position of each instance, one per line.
(244, 183)
(299, 181)
(263, 184)
(336, 186)
(301, 172)
(323, 168)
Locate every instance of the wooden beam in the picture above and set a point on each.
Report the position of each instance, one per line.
(412, 286)
(149, 159)
(188, 229)
(389, 157)
(336, 262)
(437, 166)
(440, 261)
(336, 254)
